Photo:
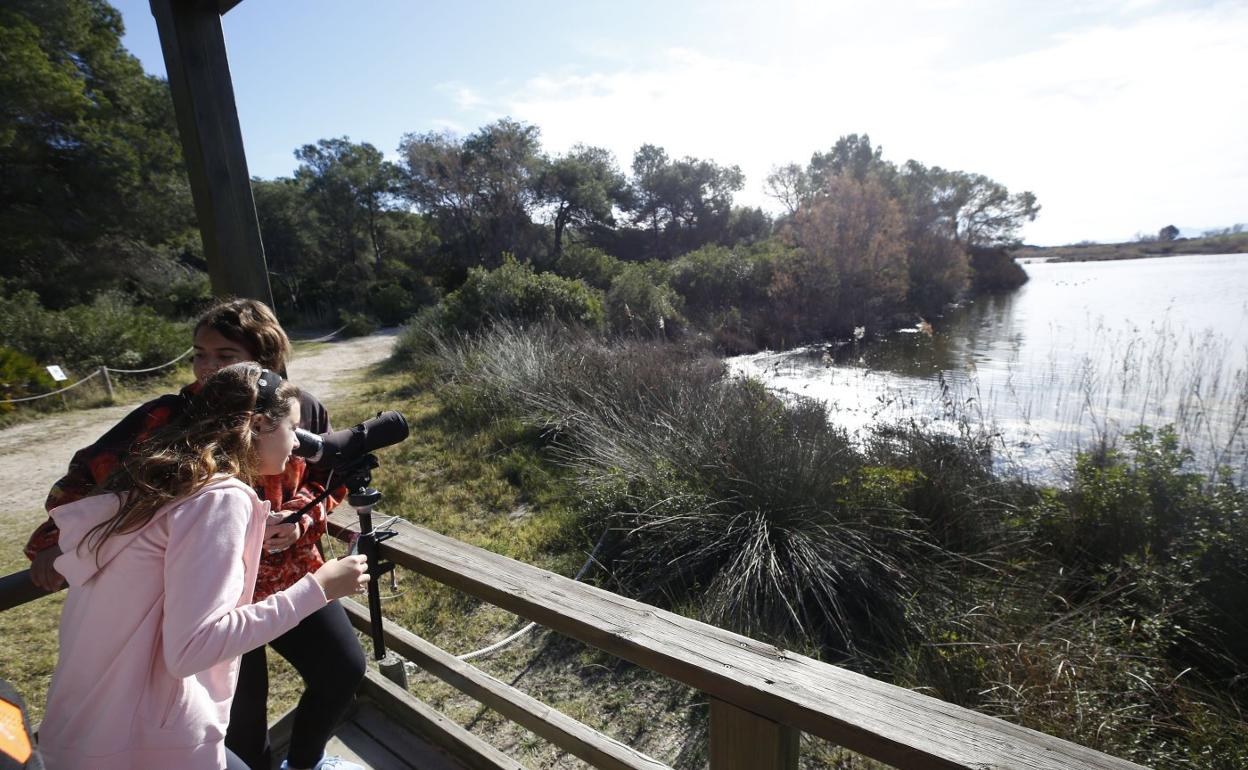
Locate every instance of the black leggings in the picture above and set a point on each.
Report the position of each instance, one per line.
(324, 650)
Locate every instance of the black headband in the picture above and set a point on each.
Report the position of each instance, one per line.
(266, 390)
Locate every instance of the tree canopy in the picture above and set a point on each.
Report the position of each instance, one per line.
(93, 193)
(583, 187)
(94, 198)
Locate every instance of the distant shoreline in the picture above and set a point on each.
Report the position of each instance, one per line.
(1236, 243)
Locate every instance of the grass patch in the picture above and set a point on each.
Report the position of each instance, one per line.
(28, 634)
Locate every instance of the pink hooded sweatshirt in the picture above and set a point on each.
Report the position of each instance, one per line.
(152, 629)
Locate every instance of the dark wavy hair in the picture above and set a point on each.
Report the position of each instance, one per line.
(252, 324)
(212, 437)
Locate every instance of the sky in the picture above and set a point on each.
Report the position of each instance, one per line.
(1122, 116)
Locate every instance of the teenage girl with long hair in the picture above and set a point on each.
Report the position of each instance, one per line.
(161, 564)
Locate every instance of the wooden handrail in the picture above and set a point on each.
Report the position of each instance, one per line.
(903, 728)
(578, 739)
(17, 589)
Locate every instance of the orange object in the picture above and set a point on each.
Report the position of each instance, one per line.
(13, 738)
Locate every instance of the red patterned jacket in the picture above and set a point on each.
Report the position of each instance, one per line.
(289, 491)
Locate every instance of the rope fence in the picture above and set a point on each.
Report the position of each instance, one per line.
(327, 337)
(106, 370)
(92, 375)
(102, 371)
(165, 365)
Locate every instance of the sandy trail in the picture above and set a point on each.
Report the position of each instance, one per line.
(35, 454)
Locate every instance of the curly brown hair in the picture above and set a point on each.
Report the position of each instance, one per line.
(213, 437)
(252, 324)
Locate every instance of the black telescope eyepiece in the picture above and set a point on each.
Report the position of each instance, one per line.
(340, 447)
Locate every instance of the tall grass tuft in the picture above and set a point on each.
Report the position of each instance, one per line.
(757, 511)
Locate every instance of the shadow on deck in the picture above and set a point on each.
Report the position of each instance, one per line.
(390, 729)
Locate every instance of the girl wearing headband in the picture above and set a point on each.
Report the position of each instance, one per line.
(162, 564)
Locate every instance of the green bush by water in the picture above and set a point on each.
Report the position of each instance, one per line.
(514, 291)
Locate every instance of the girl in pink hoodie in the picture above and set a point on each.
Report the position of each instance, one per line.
(161, 569)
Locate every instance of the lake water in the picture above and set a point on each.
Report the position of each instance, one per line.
(1082, 350)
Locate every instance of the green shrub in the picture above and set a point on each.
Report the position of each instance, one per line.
(356, 324)
(513, 291)
(637, 305)
(994, 269)
(110, 332)
(1139, 508)
(183, 297)
(392, 304)
(589, 264)
(1136, 502)
(21, 376)
(727, 293)
(418, 337)
(714, 278)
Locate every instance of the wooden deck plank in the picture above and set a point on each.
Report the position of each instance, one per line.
(349, 741)
(580, 740)
(415, 751)
(354, 745)
(416, 715)
(374, 739)
(903, 728)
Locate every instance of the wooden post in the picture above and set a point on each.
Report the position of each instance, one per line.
(741, 740)
(212, 145)
(108, 384)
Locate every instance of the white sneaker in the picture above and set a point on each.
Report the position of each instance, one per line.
(331, 762)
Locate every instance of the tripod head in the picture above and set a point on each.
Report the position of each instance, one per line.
(358, 479)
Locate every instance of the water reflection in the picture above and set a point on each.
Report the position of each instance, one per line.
(1082, 351)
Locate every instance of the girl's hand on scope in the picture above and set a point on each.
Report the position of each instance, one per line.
(343, 577)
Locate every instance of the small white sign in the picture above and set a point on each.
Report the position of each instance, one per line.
(56, 373)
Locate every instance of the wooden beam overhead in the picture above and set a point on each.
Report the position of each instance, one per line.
(212, 145)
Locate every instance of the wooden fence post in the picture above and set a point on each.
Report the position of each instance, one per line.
(108, 384)
(741, 740)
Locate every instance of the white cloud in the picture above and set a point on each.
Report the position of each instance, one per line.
(462, 96)
(1124, 121)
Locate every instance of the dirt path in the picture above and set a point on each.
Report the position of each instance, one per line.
(34, 455)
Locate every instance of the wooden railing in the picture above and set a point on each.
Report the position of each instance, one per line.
(762, 697)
